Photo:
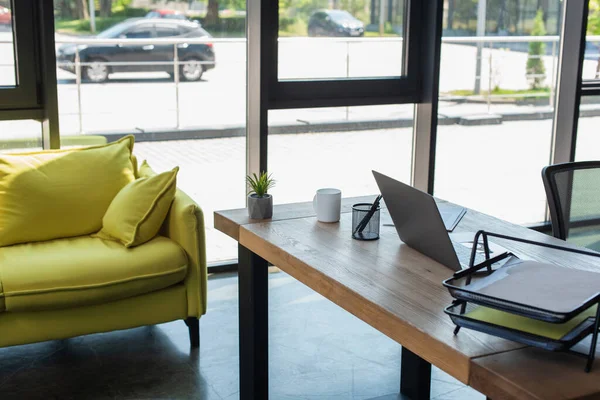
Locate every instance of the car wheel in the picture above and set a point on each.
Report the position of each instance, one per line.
(96, 72)
(192, 70)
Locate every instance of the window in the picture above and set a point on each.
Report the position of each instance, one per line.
(591, 63)
(20, 136)
(8, 73)
(166, 31)
(18, 78)
(495, 121)
(140, 32)
(588, 136)
(352, 41)
(352, 54)
(338, 147)
(196, 122)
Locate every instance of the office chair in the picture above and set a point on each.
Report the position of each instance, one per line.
(573, 192)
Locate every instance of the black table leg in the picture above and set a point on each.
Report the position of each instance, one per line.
(254, 325)
(415, 376)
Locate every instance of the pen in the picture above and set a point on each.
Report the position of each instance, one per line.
(363, 223)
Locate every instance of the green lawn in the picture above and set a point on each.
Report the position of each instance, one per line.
(543, 92)
(385, 34)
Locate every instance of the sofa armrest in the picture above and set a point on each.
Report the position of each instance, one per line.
(185, 225)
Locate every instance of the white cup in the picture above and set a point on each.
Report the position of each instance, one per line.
(328, 204)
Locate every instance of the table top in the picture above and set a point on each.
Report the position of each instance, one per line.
(399, 292)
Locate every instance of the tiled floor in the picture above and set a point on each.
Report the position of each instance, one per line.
(317, 351)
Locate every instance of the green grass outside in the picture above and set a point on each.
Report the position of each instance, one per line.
(385, 34)
(367, 34)
(544, 92)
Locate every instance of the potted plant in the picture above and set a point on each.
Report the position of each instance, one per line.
(260, 203)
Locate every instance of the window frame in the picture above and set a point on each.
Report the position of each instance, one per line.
(25, 94)
(312, 93)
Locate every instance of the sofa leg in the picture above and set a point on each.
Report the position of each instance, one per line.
(193, 325)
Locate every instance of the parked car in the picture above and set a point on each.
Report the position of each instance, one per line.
(169, 14)
(334, 23)
(198, 58)
(5, 16)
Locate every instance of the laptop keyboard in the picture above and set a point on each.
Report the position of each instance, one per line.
(464, 254)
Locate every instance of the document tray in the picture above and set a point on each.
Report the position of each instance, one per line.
(581, 328)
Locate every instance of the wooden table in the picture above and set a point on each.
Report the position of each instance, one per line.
(398, 291)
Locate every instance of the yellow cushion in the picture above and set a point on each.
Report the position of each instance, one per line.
(60, 193)
(139, 209)
(145, 171)
(81, 271)
(523, 324)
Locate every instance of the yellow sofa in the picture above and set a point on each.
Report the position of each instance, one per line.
(66, 287)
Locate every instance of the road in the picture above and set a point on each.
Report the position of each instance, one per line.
(147, 101)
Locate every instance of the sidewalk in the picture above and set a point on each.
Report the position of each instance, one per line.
(359, 119)
(454, 111)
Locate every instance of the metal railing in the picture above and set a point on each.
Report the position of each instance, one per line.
(486, 43)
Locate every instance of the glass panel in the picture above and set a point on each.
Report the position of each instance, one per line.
(143, 32)
(341, 39)
(166, 31)
(496, 108)
(20, 136)
(8, 75)
(133, 90)
(591, 63)
(588, 136)
(338, 147)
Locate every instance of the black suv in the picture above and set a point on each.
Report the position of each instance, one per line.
(334, 23)
(197, 57)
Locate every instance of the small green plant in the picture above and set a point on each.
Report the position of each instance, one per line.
(260, 185)
(536, 71)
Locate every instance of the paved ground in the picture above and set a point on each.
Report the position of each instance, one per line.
(495, 169)
(147, 101)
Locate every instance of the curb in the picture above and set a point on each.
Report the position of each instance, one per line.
(227, 131)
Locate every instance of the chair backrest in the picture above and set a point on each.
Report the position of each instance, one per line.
(573, 192)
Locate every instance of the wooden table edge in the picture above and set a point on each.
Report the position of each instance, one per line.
(226, 226)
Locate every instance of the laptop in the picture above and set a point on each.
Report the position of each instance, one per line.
(420, 225)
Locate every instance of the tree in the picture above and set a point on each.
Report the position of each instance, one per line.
(212, 13)
(75, 9)
(81, 9)
(593, 26)
(105, 8)
(536, 71)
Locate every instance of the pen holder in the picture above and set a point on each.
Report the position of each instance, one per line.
(370, 227)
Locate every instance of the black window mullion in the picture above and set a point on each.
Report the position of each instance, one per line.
(339, 93)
